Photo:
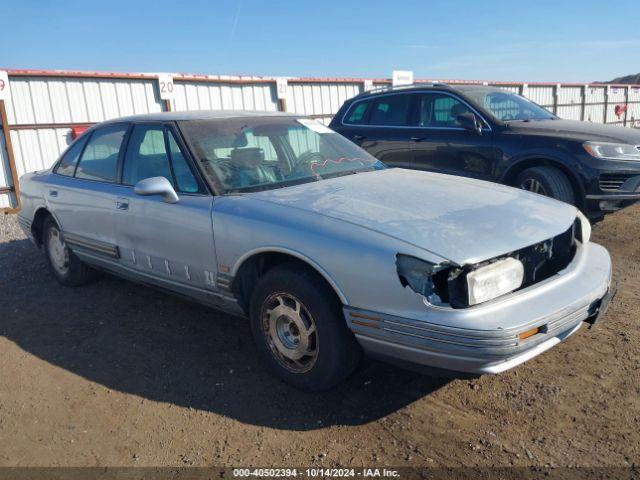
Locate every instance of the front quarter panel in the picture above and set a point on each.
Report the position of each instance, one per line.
(358, 263)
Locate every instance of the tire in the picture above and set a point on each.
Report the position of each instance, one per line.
(68, 269)
(549, 181)
(319, 329)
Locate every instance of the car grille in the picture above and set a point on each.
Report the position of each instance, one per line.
(613, 181)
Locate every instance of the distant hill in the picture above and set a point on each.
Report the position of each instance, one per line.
(629, 80)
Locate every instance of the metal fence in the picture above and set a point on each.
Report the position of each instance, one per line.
(45, 106)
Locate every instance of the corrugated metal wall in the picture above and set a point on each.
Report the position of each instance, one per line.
(6, 201)
(44, 107)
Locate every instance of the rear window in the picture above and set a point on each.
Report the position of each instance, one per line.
(390, 110)
(100, 158)
(69, 160)
(356, 113)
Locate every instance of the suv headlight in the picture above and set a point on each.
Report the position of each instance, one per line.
(612, 151)
(494, 280)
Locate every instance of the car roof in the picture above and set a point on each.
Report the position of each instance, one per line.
(424, 86)
(199, 115)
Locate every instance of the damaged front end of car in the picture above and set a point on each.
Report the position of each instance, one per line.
(462, 286)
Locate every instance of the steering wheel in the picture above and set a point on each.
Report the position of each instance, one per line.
(305, 160)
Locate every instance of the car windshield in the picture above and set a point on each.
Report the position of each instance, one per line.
(509, 107)
(261, 153)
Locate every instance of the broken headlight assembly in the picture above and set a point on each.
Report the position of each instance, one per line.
(455, 286)
(445, 285)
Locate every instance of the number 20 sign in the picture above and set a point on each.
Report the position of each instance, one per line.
(165, 86)
(4, 85)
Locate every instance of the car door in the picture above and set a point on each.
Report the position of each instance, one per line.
(440, 144)
(379, 125)
(82, 193)
(167, 243)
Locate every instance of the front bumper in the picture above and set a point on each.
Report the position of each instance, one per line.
(557, 307)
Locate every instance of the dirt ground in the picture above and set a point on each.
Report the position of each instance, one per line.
(116, 374)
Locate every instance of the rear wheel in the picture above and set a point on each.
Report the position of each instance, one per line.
(298, 326)
(63, 263)
(548, 181)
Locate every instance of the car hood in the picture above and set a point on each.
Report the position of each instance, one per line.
(581, 131)
(460, 219)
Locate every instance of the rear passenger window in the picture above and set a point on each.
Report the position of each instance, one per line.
(69, 160)
(390, 110)
(356, 114)
(100, 158)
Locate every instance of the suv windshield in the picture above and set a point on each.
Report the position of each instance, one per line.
(261, 153)
(507, 106)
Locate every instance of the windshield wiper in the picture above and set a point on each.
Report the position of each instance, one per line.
(269, 186)
(343, 173)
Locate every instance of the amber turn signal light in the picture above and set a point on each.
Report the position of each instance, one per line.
(528, 333)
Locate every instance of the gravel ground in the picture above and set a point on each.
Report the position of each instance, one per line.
(116, 374)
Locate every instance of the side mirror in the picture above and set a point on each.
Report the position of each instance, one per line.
(468, 121)
(157, 186)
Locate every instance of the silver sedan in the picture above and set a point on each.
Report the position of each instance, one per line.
(329, 253)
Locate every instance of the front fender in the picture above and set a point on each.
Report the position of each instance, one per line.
(543, 156)
(294, 253)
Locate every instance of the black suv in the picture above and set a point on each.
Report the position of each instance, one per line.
(493, 134)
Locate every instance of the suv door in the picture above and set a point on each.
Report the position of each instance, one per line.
(440, 144)
(167, 243)
(82, 193)
(379, 125)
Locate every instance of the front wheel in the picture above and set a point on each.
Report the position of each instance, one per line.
(298, 326)
(548, 181)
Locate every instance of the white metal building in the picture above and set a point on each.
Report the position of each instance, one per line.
(44, 107)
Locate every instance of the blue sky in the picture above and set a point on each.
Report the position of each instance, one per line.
(564, 41)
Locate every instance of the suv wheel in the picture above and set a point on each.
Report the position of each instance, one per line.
(65, 266)
(299, 328)
(548, 181)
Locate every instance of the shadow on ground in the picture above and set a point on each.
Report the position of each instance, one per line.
(140, 341)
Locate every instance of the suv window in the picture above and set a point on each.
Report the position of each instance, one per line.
(390, 110)
(439, 110)
(68, 162)
(100, 158)
(147, 157)
(356, 115)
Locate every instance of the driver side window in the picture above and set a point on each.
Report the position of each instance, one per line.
(147, 156)
(440, 111)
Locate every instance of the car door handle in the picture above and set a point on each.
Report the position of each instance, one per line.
(122, 204)
(53, 193)
(358, 137)
(417, 139)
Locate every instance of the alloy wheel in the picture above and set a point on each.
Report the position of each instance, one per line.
(533, 185)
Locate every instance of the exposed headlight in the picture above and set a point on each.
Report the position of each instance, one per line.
(585, 227)
(418, 275)
(613, 151)
(493, 280)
